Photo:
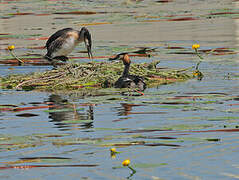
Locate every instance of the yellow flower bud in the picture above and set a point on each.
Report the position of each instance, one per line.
(113, 150)
(195, 46)
(126, 162)
(10, 48)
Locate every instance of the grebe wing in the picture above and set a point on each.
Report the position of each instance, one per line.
(56, 36)
(123, 82)
(55, 45)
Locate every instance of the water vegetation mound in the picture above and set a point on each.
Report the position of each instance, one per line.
(91, 75)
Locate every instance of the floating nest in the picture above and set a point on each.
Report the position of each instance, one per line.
(91, 75)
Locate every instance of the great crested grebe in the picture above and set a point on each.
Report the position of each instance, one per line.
(127, 80)
(62, 43)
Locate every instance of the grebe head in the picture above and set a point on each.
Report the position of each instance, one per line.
(122, 56)
(87, 39)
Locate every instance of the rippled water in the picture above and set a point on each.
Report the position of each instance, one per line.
(185, 130)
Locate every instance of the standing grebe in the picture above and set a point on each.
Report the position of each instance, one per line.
(127, 80)
(62, 43)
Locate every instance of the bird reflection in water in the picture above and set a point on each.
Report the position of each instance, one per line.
(126, 109)
(66, 116)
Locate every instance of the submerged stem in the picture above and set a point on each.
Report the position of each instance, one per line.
(198, 65)
(19, 60)
(198, 54)
(133, 172)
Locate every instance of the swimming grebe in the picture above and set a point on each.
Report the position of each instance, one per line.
(127, 80)
(62, 43)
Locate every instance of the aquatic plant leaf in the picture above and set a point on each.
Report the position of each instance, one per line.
(47, 159)
(80, 12)
(35, 103)
(39, 159)
(17, 109)
(176, 102)
(59, 110)
(27, 115)
(146, 130)
(110, 129)
(171, 106)
(47, 166)
(22, 161)
(213, 139)
(183, 19)
(7, 105)
(223, 118)
(123, 144)
(189, 126)
(155, 137)
(170, 128)
(162, 144)
(148, 165)
(77, 121)
(49, 135)
(17, 36)
(76, 141)
(231, 175)
(233, 110)
(199, 139)
(143, 165)
(217, 130)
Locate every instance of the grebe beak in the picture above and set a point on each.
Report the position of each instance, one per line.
(122, 56)
(88, 43)
(117, 57)
(114, 58)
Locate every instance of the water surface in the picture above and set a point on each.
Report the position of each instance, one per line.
(185, 130)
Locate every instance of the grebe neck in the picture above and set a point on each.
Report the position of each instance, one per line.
(126, 70)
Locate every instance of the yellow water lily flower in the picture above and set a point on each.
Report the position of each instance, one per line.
(11, 47)
(126, 162)
(195, 46)
(113, 150)
(195, 73)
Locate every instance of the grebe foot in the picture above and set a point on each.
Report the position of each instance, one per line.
(140, 92)
(54, 64)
